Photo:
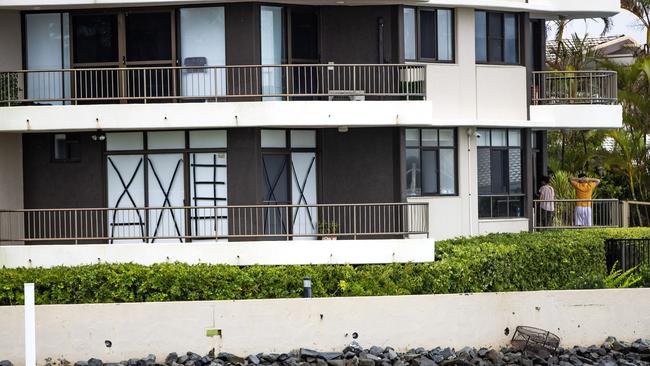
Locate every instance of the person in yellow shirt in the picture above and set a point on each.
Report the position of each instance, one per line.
(584, 187)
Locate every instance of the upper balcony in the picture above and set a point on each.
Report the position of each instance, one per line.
(213, 84)
(252, 64)
(572, 97)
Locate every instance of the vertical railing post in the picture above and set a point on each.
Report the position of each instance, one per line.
(286, 218)
(625, 214)
(30, 325)
(354, 222)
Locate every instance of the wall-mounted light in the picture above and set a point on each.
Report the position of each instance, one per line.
(98, 136)
(343, 129)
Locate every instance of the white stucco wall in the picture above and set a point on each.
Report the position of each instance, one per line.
(233, 253)
(501, 93)
(453, 216)
(577, 116)
(545, 8)
(502, 225)
(78, 332)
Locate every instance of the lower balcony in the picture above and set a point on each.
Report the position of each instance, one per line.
(214, 223)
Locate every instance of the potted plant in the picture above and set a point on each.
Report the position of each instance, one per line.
(328, 230)
(9, 88)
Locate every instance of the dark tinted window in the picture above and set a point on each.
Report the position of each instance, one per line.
(481, 36)
(304, 33)
(95, 38)
(497, 37)
(500, 173)
(427, 34)
(148, 36)
(510, 39)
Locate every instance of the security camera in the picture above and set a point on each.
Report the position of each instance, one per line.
(478, 135)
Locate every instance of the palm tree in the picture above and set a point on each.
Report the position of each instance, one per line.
(640, 8)
(631, 154)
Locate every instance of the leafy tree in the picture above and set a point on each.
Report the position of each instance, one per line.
(640, 8)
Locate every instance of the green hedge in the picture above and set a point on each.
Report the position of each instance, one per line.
(496, 262)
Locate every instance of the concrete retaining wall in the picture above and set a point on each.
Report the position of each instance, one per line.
(77, 332)
(235, 253)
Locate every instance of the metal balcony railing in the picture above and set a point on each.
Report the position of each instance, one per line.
(181, 224)
(213, 83)
(574, 87)
(562, 214)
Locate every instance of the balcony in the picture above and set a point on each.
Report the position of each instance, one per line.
(213, 84)
(575, 99)
(574, 87)
(194, 223)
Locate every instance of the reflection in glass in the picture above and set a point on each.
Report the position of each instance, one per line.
(409, 34)
(445, 34)
(413, 172)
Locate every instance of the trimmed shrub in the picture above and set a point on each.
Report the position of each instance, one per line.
(496, 262)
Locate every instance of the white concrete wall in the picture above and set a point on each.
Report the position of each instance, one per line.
(233, 253)
(501, 94)
(78, 332)
(577, 116)
(453, 216)
(502, 226)
(547, 8)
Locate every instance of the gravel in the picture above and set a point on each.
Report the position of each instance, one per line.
(611, 353)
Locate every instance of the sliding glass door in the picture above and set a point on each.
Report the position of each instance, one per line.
(203, 43)
(47, 41)
(271, 31)
(131, 40)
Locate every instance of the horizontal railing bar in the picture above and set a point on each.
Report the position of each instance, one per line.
(216, 207)
(128, 69)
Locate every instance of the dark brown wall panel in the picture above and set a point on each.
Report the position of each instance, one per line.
(242, 34)
(359, 166)
(350, 34)
(244, 164)
(62, 185)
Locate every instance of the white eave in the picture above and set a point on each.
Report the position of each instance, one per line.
(539, 8)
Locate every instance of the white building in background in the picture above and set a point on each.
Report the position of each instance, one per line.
(178, 121)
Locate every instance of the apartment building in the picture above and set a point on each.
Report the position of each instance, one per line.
(177, 121)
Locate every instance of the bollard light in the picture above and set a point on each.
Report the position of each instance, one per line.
(306, 284)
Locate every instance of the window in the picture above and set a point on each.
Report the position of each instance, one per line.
(497, 37)
(428, 34)
(66, 148)
(500, 172)
(430, 161)
(289, 176)
(167, 169)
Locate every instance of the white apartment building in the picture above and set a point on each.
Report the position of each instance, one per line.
(177, 121)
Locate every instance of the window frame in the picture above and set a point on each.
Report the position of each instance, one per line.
(509, 196)
(518, 39)
(418, 39)
(437, 149)
(70, 139)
